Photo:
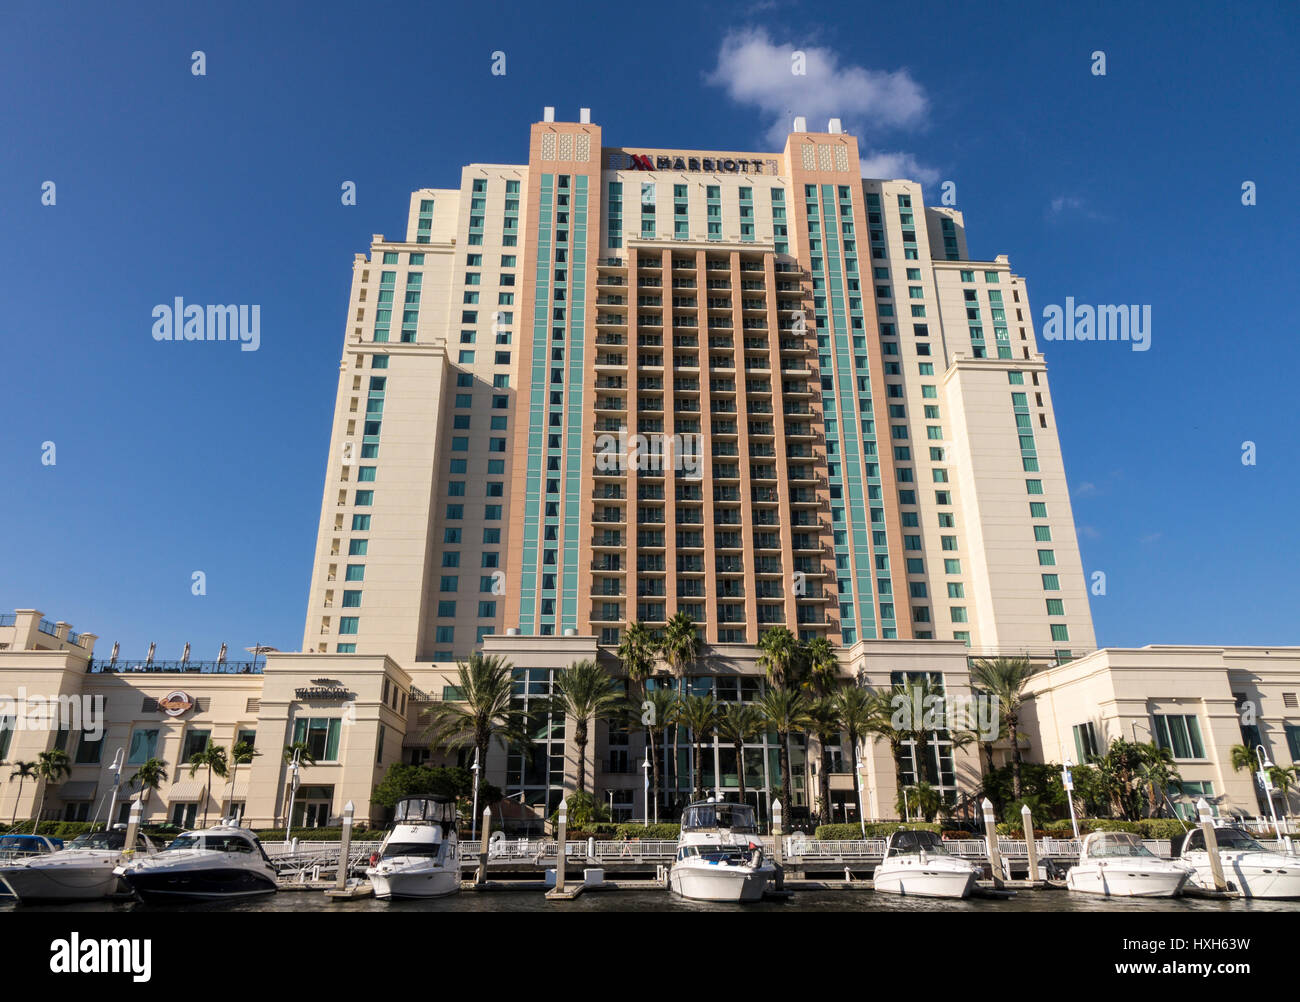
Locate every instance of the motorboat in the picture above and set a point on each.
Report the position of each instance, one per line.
(718, 855)
(27, 846)
(216, 863)
(420, 856)
(916, 864)
(83, 871)
(1251, 871)
(1119, 865)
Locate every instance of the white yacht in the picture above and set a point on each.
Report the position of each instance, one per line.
(1119, 865)
(84, 871)
(1250, 870)
(420, 857)
(916, 864)
(214, 863)
(718, 856)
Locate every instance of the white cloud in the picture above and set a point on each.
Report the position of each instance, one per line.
(894, 166)
(754, 70)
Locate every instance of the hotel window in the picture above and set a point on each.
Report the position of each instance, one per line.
(1085, 743)
(88, 750)
(1060, 632)
(144, 745)
(1180, 733)
(349, 624)
(1046, 558)
(195, 742)
(320, 735)
(1051, 582)
(355, 572)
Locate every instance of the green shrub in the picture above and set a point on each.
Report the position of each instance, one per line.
(321, 834)
(1169, 828)
(651, 832)
(875, 829)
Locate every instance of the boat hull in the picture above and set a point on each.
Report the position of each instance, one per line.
(1117, 881)
(204, 884)
(720, 883)
(1266, 881)
(922, 881)
(413, 883)
(89, 882)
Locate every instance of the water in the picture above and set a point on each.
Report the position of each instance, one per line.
(650, 900)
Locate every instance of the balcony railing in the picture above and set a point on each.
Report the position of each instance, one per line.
(180, 667)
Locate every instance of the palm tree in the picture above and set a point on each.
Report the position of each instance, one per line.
(824, 666)
(485, 707)
(23, 771)
(1004, 679)
(242, 753)
(700, 715)
(149, 777)
(1242, 758)
(1119, 771)
(214, 759)
(1284, 780)
(585, 692)
(739, 723)
(785, 711)
(1159, 771)
(881, 727)
(658, 715)
(853, 706)
(636, 651)
(824, 721)
(680, 646)
(51, 767)
(777, 651)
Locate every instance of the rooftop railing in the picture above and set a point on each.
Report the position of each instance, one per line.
(122, 667)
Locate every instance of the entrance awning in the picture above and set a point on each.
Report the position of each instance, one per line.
(186, 790)
(82, 789)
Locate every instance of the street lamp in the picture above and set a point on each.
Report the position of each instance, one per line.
(293, 793)
(645, 806)
(1267, 783)
(861, 777)
(1067, 781)
(473, 825)
(116, 768)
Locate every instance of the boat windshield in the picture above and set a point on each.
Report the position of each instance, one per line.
(437, 809)
(428, 850)
(1228, 838)
(1116, 844)
(99, 840)
(215, 843)
(905, 842)
(735, 817)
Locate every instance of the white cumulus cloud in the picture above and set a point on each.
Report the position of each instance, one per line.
(755, 70)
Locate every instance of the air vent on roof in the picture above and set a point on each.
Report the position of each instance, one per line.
(1289, 700)
(253, 705)
(202, 704)
(150, 705)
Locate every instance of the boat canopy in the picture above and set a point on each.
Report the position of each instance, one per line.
(1235, 839)
(734, 817)
(114, 839)
(1109, 845)
(908, 841)
(441, 810)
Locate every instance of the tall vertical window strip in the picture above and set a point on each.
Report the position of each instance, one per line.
(537, 409)
(573, 458)
(614, 217)
(780, 231)
(424, 222)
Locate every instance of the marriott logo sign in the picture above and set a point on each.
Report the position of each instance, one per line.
(710, 165)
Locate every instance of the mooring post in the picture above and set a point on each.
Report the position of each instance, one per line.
(341, 879)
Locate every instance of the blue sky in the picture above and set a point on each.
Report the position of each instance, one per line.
(1124, 188)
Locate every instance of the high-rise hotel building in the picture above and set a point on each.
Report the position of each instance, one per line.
(616, 383)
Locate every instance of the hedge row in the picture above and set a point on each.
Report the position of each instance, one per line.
(875, 829)
(1147, 828)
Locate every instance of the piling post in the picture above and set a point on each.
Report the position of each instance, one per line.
(132, 826)
(345, 847)
(991, 842)
(1211, 844)
(480, 877)
(562, 831)
(1031, 848)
